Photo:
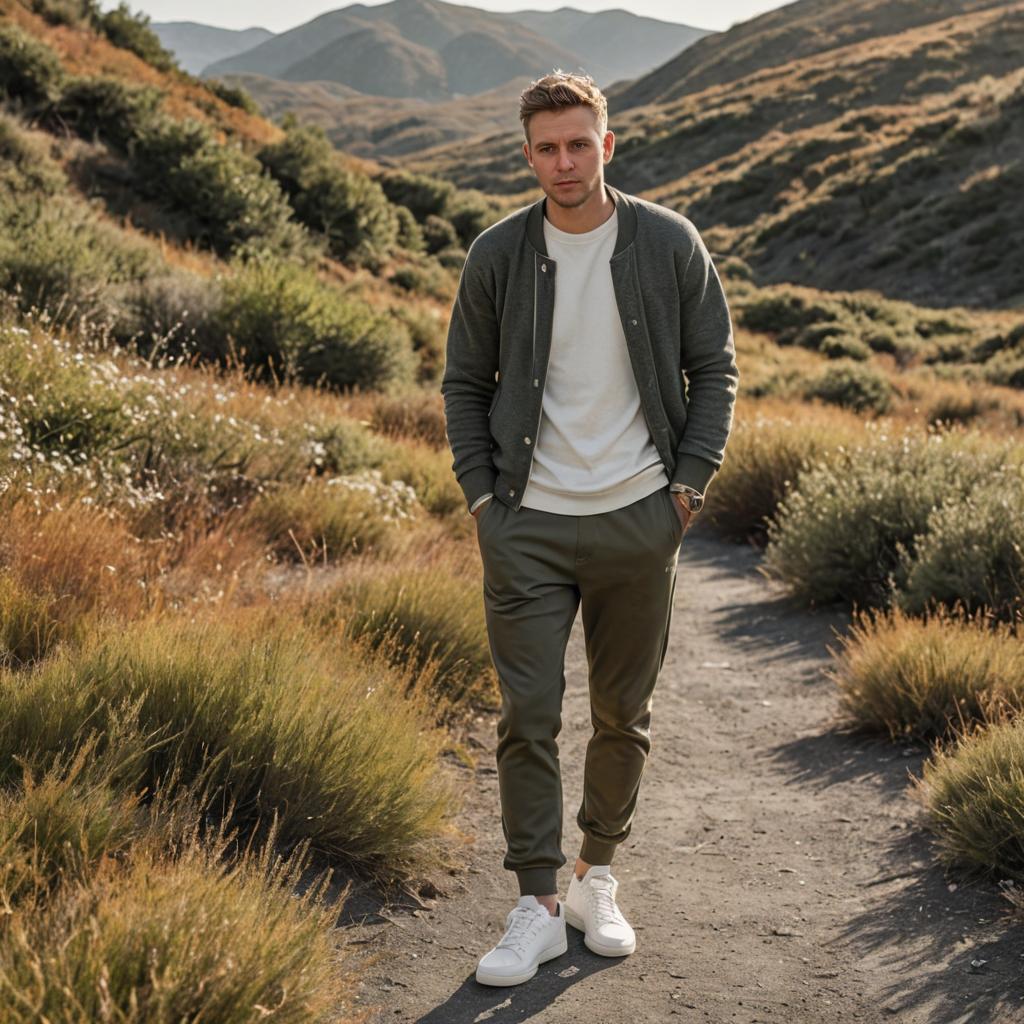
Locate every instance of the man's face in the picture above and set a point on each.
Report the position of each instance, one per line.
(565, 147)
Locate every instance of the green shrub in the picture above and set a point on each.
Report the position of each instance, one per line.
(1006, 369)
(283, 318)
(439, 234)
(813, 335)
(107, 108)
(229, 202)
(972, 550)
(328, 520)
(469, 211)
(767, 450)
(452, 257)
(420, 193)
(233, 95)
(68, 12)
(168, 315)
(235, 207)
(58, 255)
(850, 527)
(132, 32)
(844, 346)
(27, 171)
(927, 678)
(410, 235)
(163, 145)
(30, 70)
(852, 386)
(348, 208)
(972, 793)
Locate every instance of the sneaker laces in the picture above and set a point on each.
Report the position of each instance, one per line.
(600, 892)
(523, 921)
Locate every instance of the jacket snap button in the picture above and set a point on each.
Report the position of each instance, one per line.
(544, 267)
(633, 322)
(512, 491)
(535, 382)
(526, 439)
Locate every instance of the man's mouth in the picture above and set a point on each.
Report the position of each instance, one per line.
(566, 182)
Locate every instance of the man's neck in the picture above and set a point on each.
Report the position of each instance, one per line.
(578, 219)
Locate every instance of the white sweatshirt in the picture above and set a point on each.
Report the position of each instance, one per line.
(593, 452)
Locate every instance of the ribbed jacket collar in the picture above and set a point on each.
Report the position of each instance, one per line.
(625, 210)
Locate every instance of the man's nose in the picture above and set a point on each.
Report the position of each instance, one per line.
(564, 160)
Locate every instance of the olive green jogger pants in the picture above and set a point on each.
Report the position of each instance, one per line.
(539, 567)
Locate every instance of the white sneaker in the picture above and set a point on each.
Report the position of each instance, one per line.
(590, 906)
(532, 935)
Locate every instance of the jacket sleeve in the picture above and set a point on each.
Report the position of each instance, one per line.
(469, 380)
(709, 364)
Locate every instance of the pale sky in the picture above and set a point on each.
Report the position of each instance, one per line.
(278, 17)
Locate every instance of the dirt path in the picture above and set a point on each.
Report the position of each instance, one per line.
(775, 871)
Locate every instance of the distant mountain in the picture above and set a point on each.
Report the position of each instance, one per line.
(891, 162)
(196, 45)
(616, 44)
(429, 49)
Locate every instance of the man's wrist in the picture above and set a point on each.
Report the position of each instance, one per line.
(479, 501)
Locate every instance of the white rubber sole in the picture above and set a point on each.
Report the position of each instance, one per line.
(571, 917)
(486, 978)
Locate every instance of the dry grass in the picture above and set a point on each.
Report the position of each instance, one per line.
(927, 678)
(973, 796)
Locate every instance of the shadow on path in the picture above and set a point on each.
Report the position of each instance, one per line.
(473, 1002)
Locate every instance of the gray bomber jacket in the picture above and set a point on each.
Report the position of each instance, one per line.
(678, 333)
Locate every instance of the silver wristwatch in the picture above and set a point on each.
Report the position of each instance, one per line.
(694, 499)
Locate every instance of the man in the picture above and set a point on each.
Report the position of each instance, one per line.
(586, 421)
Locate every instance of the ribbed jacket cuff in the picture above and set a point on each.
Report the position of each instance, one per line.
(476, 482)
(694, 471)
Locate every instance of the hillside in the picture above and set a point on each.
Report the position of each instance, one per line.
(380, 128)
(777, 37)
(891, 163)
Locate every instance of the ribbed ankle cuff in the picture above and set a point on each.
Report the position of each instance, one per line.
(597, 851)
(537, 881)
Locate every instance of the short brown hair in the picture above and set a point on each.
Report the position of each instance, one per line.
(562, 89)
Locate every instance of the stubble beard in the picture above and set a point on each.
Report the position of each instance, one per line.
(570, 204)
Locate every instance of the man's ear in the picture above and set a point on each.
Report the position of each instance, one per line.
(526, 153)
(608, 146)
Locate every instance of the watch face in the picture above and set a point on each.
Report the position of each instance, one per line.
(696, 504)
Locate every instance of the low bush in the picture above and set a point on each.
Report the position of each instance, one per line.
(270, 719)
(419, 615)
(132, 32)
(850, 528)
(193, 931)
(927, 678)
(971, 793)
(233, 95)
(328, 519)
(282, 319)
(107, 108)
(770, 444)
(852, 386)
(30, 71)
(972, 550)
(348, 208)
